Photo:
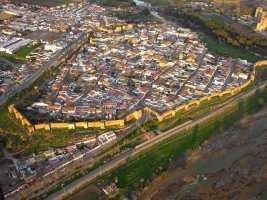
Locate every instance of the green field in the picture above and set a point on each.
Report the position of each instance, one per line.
(20, 54)
(224, 49)
(223, 20)
(261, 73)
(184, 116)
(9, 57)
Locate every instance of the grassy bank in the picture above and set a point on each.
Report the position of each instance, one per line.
(221, 31)
(15, 136)
(261, 73)
(223, 49)
(184, 116)
(9, 57)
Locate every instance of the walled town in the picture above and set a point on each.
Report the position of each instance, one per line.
(121, 71)
(124, 68)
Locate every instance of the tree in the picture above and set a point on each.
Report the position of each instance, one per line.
(233, 9)
(84, 50)
(9, 143)
(261, 102)
(247, 10)
(180, 4)
(2, 197)
(130, 83)
(116, 179)
(146, 11)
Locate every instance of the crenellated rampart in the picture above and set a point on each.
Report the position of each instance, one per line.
(134, 115)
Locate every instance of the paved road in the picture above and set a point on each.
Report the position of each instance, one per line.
(53, 61)
(124, 157)
(232, 68)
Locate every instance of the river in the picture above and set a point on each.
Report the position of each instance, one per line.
(153, 12)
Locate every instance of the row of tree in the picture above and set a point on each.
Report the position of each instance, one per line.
(224, 32)
(232, 35)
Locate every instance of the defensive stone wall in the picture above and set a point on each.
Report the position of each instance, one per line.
(74, 125)
(261, 16)
(100, 125)
(134, 115)
(24, 121)
(171, 113)
(81, 124)
(119, 123)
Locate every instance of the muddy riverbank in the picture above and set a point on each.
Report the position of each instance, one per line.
(231, 165)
